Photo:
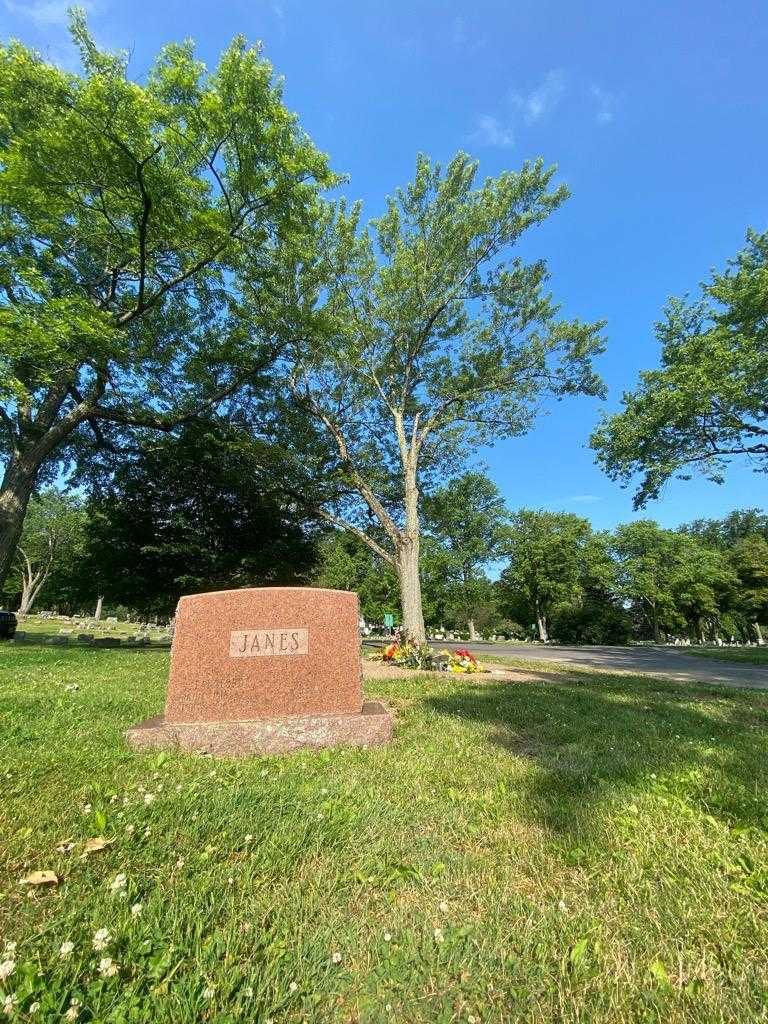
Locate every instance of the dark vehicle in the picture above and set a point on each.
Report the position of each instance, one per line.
(8, 623)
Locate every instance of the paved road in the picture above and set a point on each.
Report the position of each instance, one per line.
(671, 662)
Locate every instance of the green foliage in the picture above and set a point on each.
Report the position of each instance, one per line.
(190, 513)
(345, 563)
(676, 583)
(553, 557)
(430, 338)
(709, 400)
(129, 215)
(466, 517)
(51, 548)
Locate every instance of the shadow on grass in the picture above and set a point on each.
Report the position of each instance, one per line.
(595, 740)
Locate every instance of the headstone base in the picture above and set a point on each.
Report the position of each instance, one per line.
(247, 738)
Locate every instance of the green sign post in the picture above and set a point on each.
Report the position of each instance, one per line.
(389, 620)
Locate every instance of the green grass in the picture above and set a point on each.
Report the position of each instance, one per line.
(590, 847)
(745, 655)
(40, 628)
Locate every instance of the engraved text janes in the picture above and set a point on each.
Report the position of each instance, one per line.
(247, 643)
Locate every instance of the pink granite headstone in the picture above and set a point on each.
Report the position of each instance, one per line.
(265, 670)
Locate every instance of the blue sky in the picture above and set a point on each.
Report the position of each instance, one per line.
(655, 114)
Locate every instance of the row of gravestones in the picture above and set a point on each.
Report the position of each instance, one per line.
(139, 640)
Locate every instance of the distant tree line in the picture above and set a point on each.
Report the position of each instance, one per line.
(202, 510)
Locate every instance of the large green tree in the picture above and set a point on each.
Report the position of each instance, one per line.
(742, 536)
(708, 402)
(431, 337)
(53, 541)
(673, 580)
(467, 516)
(551, 554)
(191, 512)
(128, 214)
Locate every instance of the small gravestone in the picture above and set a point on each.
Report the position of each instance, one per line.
(265, 670)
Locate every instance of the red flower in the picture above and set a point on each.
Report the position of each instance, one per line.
(465, 654)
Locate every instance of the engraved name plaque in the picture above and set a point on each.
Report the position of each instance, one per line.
(249, 643)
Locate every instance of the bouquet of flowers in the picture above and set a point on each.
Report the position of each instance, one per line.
(405, 653)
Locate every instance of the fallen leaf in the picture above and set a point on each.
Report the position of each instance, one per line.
(65, 846)
(96, 844)
(40, 878)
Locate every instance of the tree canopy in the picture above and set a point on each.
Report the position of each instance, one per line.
(430, 338)
(128, 213)
(192, 512)
(708, 402)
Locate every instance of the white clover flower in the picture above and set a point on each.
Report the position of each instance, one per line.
(387, 936)
(107, 967)
(7, 967)
(130, 829)
(249, 992)
(248, 838)
(209, 993)
(118, 882)
(148, 798)
(33, 1007)
(230, 881)
(65, 950)
(74, 1010)
(136, 910)
(86, 808)
(293, 987)
(562, 905)
(443, 907)
(336, 958)
(180, 862)
(101, 939)
(9, 1004)
(178, 788)
(472, 1020)
(439, 937)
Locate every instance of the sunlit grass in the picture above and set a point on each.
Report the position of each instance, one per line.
(579, 847)
(745, 655)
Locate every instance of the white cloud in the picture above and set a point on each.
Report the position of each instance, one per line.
(491, 132)
(45, 13)
(583, 499)
(606, 104)
(540, 102)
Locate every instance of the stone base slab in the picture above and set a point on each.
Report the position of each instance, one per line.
(371, 728)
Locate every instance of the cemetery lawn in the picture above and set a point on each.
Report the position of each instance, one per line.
(574, 848)
(745, 655)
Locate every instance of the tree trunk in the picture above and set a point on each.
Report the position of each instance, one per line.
(408, 549)
(655, 626)
(410, 589)
(472, 630)
(97, 613)
(758, 632)
(15, 492)
(541, 624)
